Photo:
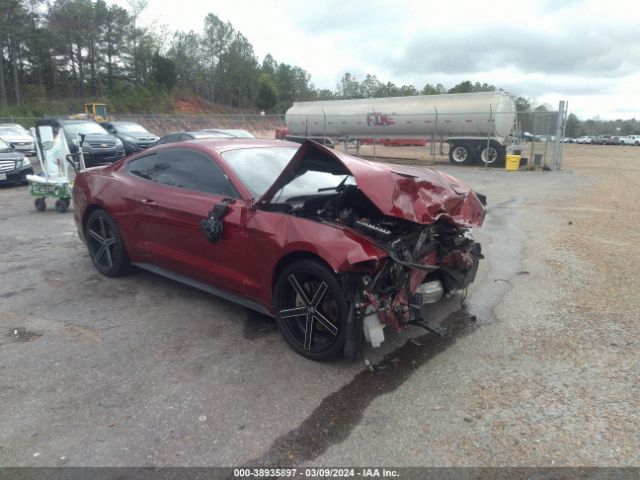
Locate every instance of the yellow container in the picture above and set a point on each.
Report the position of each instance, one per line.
(512, 163)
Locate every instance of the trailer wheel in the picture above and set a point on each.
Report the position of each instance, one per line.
(460, 154)
(40, 204)
(493, 155)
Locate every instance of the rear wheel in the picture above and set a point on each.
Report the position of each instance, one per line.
(311, 312)
(106, 247)
(40, 204)
(62, 205)
(493, 155)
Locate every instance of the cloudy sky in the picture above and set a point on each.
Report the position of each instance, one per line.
(586, 52)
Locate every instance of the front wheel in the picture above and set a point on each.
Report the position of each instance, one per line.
(460, 154)
(106, 247)
(311, 311)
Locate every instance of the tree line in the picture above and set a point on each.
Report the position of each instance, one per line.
(60, 50)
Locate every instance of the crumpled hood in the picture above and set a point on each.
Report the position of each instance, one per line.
(413, 193)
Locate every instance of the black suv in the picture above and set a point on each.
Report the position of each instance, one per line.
(99, 146)
(134, 136)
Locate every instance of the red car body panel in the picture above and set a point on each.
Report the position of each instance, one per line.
(160, 224)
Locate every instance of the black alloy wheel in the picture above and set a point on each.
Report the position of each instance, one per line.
(106, 247)
(311, 312)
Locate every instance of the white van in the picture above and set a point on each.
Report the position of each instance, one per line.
(630, 140)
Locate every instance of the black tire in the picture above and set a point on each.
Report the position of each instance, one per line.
(106, 247)
(61, 206)
(40, 204)
(492, 156)
(461, 154)
(311, 311)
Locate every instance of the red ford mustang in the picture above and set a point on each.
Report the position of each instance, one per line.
(333, 246)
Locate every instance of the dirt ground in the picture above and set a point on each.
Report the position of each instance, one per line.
(539, 368)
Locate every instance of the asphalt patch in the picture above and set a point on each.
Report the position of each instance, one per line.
(257, 325)
(21, 335)
(337, 415)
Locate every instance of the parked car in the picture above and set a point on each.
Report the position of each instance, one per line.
(184, 136)
(568, 140)
(585, 139)
(14, 165)
(605, 140)
(631, 140)
(334, 246)
(234, 132)
(99, 146)
(18, 137)
(326, 141)
(134, 136)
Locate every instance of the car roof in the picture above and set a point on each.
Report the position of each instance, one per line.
(221, 145)
(224, 144)
(64, 120)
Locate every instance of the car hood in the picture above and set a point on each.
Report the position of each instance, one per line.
(99, 137)
(17, 138)
(15, 156)
(413, 193)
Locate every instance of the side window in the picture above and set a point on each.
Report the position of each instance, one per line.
(142, 167)
(191, 170)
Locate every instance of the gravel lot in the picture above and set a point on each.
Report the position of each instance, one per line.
(141, 371)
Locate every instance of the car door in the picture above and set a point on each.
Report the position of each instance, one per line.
(182, 188)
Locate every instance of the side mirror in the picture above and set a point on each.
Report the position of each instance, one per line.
(212, 226)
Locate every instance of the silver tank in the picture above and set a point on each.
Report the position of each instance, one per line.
(451, 115)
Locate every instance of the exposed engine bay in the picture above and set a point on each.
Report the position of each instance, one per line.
(424, 264)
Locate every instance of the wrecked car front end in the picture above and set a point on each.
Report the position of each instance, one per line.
(420, 218)
(423, 266)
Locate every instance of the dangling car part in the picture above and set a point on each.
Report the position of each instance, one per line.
(335, 247)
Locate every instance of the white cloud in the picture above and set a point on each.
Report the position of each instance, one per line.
(586, 51)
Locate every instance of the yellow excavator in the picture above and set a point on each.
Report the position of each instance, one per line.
(94, 111)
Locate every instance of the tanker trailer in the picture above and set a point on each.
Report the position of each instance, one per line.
(466, 121)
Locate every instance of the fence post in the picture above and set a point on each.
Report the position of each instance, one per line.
(489, 132)
(559, 133)
(434, 132)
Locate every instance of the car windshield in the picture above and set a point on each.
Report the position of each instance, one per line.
(130, 128)
(82, 127)
(258, 168)
(11, 131)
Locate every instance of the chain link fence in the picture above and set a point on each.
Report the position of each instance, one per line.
(420, 138)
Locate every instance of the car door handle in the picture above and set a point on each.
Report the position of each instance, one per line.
(148, 201)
